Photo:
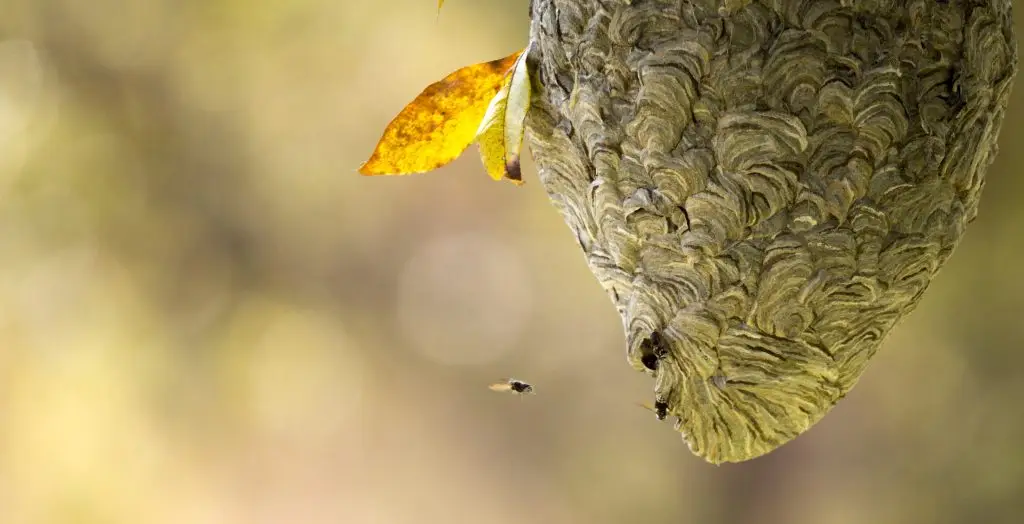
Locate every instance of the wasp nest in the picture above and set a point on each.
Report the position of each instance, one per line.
(765, 188)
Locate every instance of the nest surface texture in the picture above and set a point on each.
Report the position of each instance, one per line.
(764, 188)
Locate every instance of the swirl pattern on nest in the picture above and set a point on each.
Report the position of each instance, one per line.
(765, 188)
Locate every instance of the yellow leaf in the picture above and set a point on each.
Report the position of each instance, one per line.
(440, 123)
(500, 135)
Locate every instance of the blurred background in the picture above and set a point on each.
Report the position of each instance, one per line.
(207, 316)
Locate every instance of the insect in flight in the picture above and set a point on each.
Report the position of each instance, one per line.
(512, 384)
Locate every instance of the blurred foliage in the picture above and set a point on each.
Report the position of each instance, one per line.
(207, 316)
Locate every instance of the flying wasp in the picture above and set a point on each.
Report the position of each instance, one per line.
(514, 385)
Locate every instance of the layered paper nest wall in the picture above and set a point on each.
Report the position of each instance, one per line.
(765, 188)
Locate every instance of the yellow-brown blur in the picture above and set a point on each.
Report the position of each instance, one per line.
(208, 316)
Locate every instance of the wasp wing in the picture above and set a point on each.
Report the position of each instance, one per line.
(500, 386)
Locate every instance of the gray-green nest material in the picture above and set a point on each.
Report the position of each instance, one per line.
(765, 187)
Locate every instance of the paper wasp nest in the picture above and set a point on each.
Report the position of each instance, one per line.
(765, 188)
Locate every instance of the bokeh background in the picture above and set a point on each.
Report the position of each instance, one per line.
(207, 316)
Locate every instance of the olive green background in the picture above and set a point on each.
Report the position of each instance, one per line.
(207, 315)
